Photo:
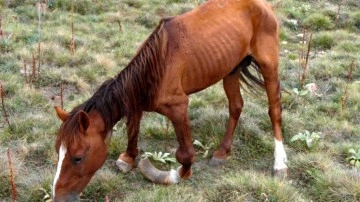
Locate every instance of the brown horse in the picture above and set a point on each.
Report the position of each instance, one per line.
(185, 54)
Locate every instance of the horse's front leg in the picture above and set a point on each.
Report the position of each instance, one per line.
(177, 111)
(126, 160)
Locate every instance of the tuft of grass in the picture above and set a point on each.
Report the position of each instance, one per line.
(318, 22)
(355, 20)
(251, 186)
(324, 40)
(336, 184)
(169, 193)
(102, 184)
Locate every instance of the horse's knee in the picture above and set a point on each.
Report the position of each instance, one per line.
(185, 157)
(235, 111)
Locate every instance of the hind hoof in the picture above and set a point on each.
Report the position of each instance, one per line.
(281, 174)
(123, 166)
(215, 162)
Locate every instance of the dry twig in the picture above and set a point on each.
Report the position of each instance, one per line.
(338, 12)
(11, 176)
(344, 97)
(3, 105)
(33, 72)
(72, 41)
(1, 31)
(62, 96)
(304, 60)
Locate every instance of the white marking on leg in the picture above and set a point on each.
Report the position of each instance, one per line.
(174, 176)
(62, 153)
(280, 156)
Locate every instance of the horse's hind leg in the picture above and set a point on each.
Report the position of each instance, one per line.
(232, 90)
(265, 52)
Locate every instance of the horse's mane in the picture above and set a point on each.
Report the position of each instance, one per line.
(130, 92)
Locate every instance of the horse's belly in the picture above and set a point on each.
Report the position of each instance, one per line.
(206, 65)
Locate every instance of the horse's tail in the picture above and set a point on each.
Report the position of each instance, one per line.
(250, 75)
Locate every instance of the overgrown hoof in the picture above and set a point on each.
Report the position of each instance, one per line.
(215, 162)
(123, 166)
(281, 174)
(158, 176)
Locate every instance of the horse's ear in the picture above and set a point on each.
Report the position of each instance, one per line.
(84, 121)
(61, 113)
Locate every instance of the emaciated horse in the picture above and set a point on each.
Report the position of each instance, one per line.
(185, 54)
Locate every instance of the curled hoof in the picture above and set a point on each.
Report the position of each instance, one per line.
(158, 176)
(123, 166)
(216, 162)
(281, 174)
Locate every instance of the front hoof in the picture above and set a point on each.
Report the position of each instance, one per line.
(123, 166)
(281, 174)
(215, 162)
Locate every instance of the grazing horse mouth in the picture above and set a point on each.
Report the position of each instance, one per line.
(70, 197)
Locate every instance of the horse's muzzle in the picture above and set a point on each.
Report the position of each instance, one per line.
(71, 197)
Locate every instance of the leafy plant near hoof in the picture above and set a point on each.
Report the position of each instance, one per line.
(354, 158)
(205, 148)
(159, 157)
(309, 138)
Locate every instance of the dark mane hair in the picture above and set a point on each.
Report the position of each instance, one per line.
(130, 92)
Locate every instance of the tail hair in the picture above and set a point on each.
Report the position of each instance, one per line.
(250, 75)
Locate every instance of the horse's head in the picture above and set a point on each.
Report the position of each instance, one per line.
(82, 150)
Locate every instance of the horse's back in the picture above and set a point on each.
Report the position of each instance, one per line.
(206, 43)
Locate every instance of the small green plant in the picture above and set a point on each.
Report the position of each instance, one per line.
(47, 195)
(354, 158)
(205, 148)
(309, 138)
(159, 157)
(299, 92)
(298, 12)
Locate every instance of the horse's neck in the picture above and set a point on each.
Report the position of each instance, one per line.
(136, 89)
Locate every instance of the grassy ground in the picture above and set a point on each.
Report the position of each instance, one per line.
(107, 34)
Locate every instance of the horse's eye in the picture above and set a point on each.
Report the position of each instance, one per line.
(77, 160)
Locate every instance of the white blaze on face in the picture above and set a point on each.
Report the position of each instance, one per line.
(62, 153)
(280, 156)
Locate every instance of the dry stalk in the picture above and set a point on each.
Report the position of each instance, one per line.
(338, 12)
(40, 8)
(39, 57)
(72, 41)
(302, 45)
(6, 116)
(62, 96)
(1, 32)
(25, 73)
(304, 64)
(344, 97)
(12, 181)
(120, 27)
(33, 72)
